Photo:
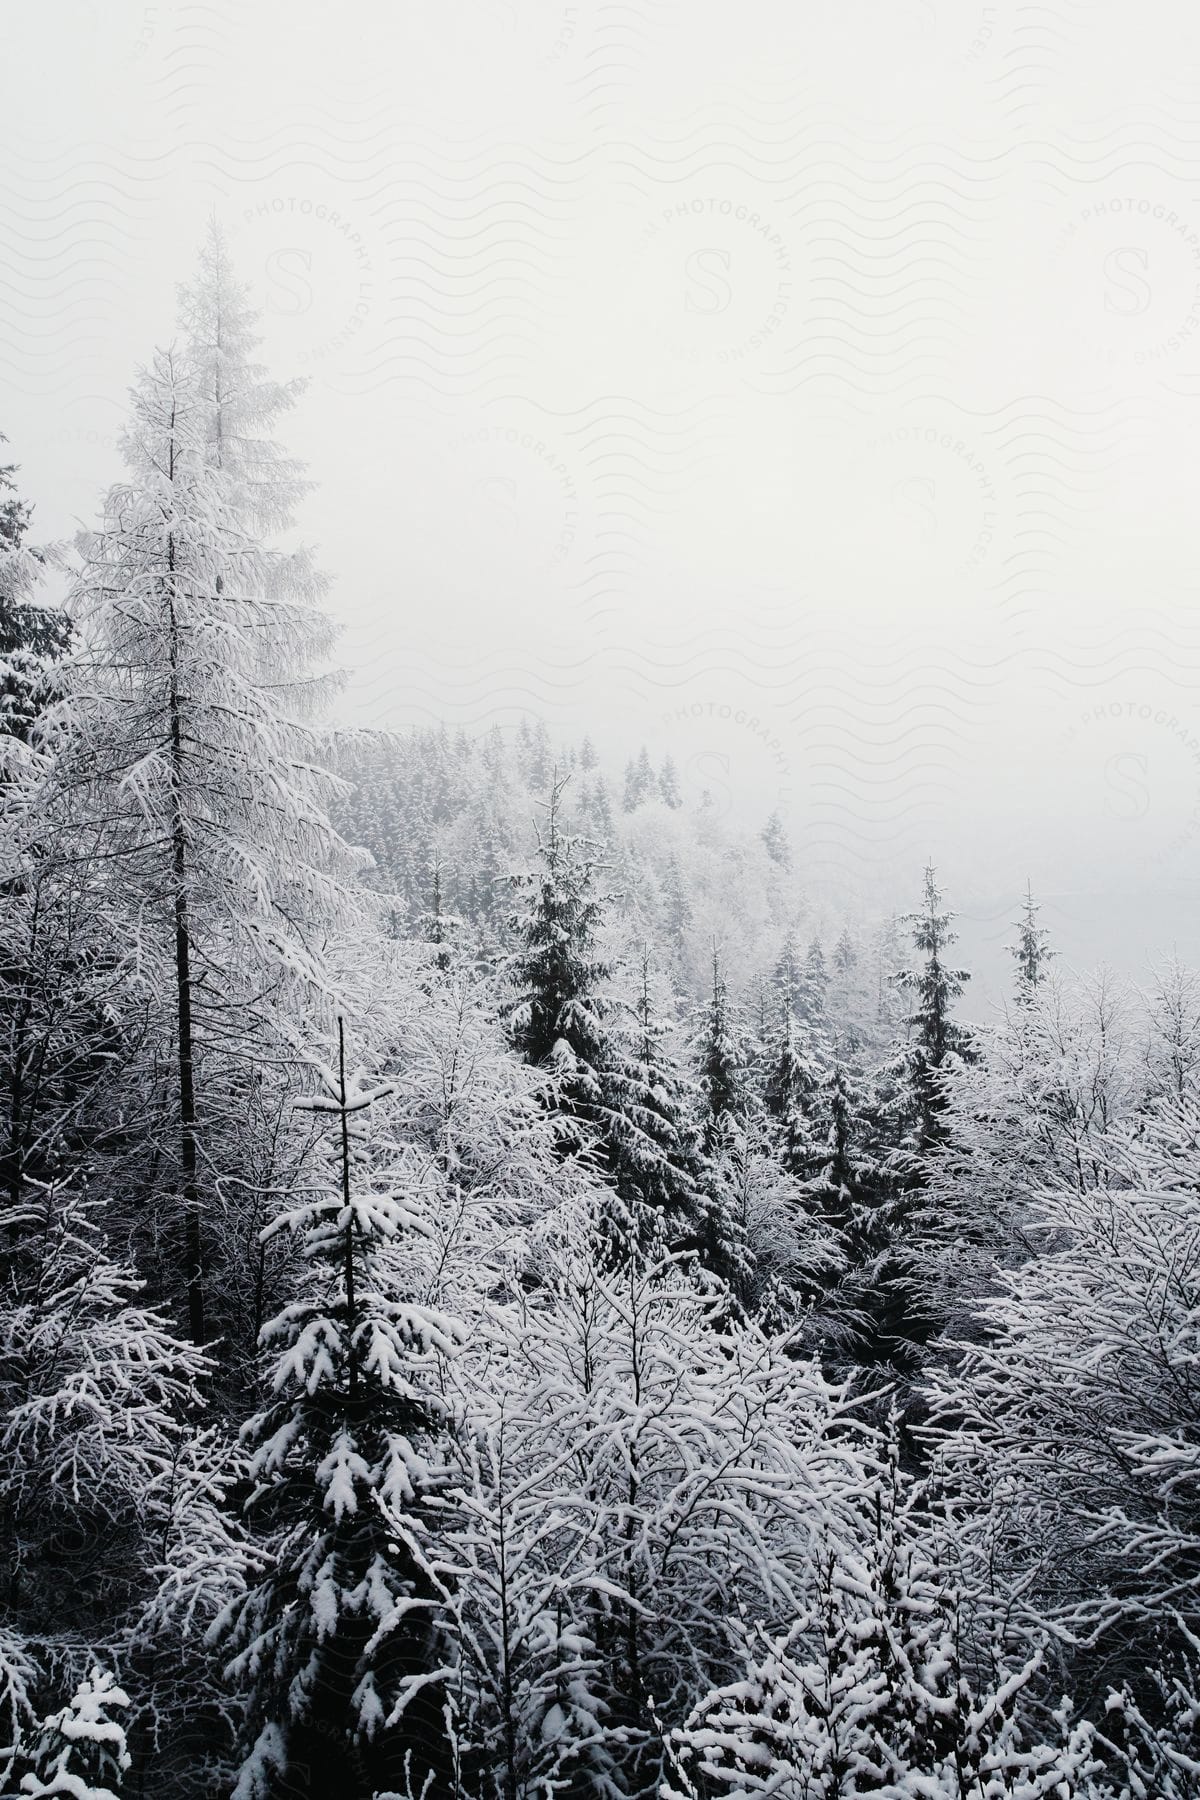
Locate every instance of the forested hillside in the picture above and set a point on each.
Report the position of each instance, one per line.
(500, 1295)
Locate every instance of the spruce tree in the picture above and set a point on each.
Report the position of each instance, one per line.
(33, 636)
(775, 839)
(1032, 951)
(793, 1076)
(336, 1641)
(720, 1057)
(613, 1091)
(933, 987)
(556, 1018)
(669, 791)
(655, 1155)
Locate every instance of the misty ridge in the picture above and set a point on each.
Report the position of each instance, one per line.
(504, 1291)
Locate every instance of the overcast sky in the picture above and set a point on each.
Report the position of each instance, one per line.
(809, 389)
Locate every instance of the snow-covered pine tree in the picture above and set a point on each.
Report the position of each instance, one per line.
(787, 978)
(336, 1643)
(1032, 951)
(775, 839)
(814, 983)
(557, 1013)
(793, 1076)
(186, 712)
(720, 1052)
(934, 1034)
(33, 636)
(776, 1256)
(436, 925)
(655, 1157)
(611, 1087)
(845, 1184)
(669, 791)
(81, 1754)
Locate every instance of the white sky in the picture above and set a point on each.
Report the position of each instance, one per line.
(828, 364)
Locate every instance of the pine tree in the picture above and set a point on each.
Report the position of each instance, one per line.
(669, 791)
(776, 840)
(844, 1186)
(933, 987)
(436, 925)
(720, 1056)
(82, 1753)
(557, 1015)
(186, 719)
(677, 911)
(33, 637)
(814, 982)
(1031, 951)
(599, 808)
(336, 1642)
(655, 1156)
(792, 1079)
(787, 976)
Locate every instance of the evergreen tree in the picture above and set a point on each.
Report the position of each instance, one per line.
(720, 1057)
(33, 637)
(792, 1079)
(437, 926)
(934, 1035)
(669, 791)
(335, 1643)
(655, 1159)
(677, 911)
(557, 1016)
(82, 1753)
(188, 737)
(599, 808)
(776, 840)
(845, 1185)
(814, 982)
(1032, 949)
(612, 1089)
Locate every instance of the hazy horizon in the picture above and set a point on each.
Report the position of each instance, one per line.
(812, 401)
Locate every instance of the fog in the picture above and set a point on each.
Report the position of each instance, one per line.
(805, 390)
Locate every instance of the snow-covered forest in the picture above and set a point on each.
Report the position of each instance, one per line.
(500, 1295)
